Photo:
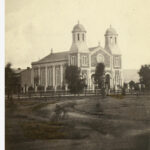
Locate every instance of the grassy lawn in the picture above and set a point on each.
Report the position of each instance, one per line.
(113, 123)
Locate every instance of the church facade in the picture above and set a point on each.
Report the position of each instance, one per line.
(50, 70)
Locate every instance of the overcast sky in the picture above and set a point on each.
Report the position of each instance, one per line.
(33, 27)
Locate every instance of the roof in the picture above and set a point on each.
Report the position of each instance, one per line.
(115, 50)
(93, 48)
(17, 71)
(111, 31)
(79, 28)
(53, 57)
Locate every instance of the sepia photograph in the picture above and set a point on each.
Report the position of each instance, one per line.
(77, 75)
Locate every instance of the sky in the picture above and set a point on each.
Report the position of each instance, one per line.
(33, 27)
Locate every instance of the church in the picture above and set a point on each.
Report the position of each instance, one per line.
(50, 70)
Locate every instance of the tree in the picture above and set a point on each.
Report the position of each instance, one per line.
(75, 83)
(144, 74)
(124, 88)
(131, 84)
(99, 77)
(9, 80)
(137, 88)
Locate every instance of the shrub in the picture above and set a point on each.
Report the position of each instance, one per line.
(30, 89)
(40, 88)
(59, 87)
(50, 88)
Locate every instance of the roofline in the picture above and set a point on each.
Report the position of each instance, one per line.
(100, 48)
(35, 63)
(110, 34)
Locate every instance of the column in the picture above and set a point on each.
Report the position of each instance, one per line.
(78, 59)
(32, 77)
(69, 60)
(111, 82)
(122, 78)
(54, 77)
(89, 79)
(61, 75)
(45, 77)
(90, 61)
(39, 75)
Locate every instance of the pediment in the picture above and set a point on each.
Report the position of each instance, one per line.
(100, 55)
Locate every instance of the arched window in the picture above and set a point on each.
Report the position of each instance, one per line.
(117, 76)
(84, 60)
(83, 37)
(78, 37)
(110, 39)
(73, 60)
(117, 61)
(100, 58)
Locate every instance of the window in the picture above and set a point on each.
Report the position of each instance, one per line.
(117, 76)
(78, 37)
(83, 37)
(117, 61)
(100, 58)
(84, 60)
(110, 39)
(73, 60)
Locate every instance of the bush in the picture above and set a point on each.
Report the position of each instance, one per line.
(123, 91)
(50, 88)
(63, 87)
(58, 87)
(30, 89)
(40, 88)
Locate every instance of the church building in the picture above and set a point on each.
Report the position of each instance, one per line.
(50, 70)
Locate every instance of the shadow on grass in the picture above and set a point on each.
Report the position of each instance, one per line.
(51, 130)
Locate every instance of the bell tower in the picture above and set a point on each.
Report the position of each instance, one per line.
(111, 46)
(79, 39)
(111, 39)
(79, 49)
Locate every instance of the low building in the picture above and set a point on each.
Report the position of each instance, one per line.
(25, 76)
(17, 87)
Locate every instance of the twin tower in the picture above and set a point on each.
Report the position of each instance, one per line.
(79, 40)
(87, 58)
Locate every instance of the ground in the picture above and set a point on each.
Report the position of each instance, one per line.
(79, 123)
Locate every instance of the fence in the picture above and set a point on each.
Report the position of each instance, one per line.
(63, 93)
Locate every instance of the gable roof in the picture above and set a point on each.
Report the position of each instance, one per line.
(53, 57)
(93, 48)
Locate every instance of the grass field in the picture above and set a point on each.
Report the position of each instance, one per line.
(87, 123)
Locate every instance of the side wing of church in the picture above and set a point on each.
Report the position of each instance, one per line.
(49, 72)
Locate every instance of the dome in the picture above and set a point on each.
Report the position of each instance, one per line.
(111, 31)
(78, 28)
